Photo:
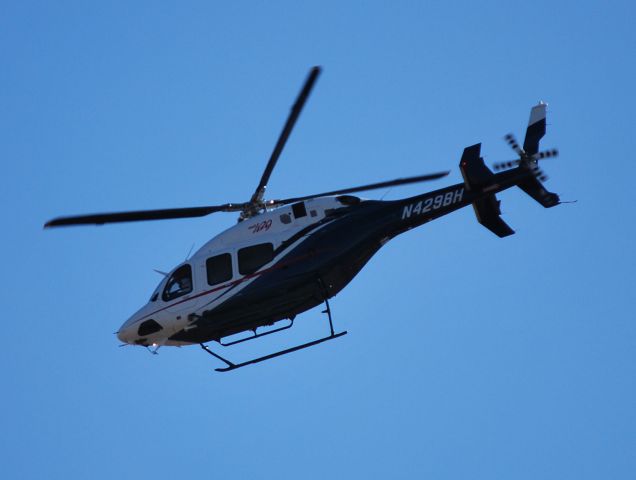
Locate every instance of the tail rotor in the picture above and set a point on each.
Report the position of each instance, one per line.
(529, 156)
(528, 161)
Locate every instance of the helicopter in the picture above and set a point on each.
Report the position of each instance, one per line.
(286, 256)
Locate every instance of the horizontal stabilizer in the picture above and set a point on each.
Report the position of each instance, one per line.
(488, 214)
(476, 177)
(475, 172)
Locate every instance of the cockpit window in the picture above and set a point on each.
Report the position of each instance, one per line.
(179, 283)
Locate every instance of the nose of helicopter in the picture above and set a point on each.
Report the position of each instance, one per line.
(126, 332)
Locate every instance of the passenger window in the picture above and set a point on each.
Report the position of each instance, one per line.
(250, 259)
(219, 268)
(179, 283)
(299, 210)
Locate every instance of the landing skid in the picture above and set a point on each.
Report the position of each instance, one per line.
(233, 366)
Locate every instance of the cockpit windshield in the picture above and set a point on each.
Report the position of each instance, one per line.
(155, 293)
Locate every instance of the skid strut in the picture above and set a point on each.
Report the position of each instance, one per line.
(258, 335)
(233, 366)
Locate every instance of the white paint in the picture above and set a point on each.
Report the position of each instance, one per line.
(537, 113)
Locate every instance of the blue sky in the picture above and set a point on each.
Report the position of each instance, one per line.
(468, 356)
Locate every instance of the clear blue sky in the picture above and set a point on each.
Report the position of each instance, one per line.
(468, 356)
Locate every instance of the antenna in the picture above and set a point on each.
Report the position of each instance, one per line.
(189, 252)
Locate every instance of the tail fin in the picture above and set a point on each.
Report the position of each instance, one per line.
(477, 175)
(530, 156)
(536, 129)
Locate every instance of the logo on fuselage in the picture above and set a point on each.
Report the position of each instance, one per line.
(261, 226)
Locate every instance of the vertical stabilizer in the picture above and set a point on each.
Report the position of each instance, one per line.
(536, 129)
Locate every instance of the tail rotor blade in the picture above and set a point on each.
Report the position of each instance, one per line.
(548, 154)
(512, 141)
(502, 165)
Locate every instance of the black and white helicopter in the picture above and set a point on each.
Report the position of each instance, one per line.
(287, 256)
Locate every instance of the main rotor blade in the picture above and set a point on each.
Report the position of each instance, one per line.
(140, 215)
(372, 186)
(284, 135)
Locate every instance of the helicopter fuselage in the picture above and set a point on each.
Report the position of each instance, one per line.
(283, 262)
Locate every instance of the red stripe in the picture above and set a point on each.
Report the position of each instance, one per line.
(234, 283)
